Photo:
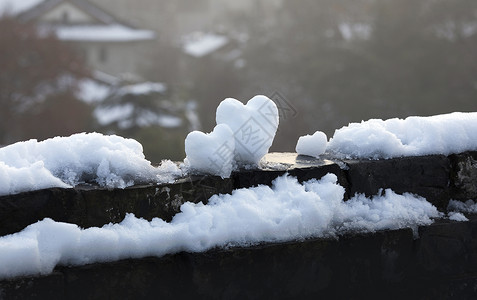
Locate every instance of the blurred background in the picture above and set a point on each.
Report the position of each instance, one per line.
(154, 70)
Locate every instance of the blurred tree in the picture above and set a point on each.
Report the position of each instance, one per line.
(35, 66)
(406, 58)
(145, 112)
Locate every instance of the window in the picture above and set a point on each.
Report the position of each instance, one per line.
(103, 54)
(65, 17)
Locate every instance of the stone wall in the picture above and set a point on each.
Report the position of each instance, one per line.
(441, 263)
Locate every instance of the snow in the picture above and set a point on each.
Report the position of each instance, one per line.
(200, 44)
(243, 135)
(15, 7)
(254, 126)
(457, 216)
(350, 31)
(103, 33)
(286, 211)
(127, 116)
(143, 88)
(114, 113)
(457, 206)
(375, 139)
(92, 91)
(110, 161)
(148, 118)
(312, 145)
(211, 153)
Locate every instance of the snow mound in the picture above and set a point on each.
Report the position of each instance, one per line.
(286, 211)
(110, 161)
(468, 206)
(457, 216)
(211, 153)
(312, 145)
(413, 136)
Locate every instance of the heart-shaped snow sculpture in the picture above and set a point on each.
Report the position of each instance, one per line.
(254, 126)
(211, 153)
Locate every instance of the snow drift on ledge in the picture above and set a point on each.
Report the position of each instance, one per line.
(413, 136)
(286, 211)
(110, 161)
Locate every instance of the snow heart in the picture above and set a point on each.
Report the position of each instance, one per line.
(211, 153)
(254, 126)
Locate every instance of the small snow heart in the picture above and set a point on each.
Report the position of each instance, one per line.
(254, 126)
(211, 153)
(312, 145)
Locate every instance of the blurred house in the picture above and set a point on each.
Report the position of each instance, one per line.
(176, 18)
(107, 43)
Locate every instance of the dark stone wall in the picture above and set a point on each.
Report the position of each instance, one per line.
(437, 178)
(440, 264)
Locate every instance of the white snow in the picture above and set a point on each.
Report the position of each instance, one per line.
(127, 116)
(350, 31)
(457, 216)
(103, 33)
(92, 91)
(114, 113)
(457, 208)
(211, 153)
(413, 136)
(110, 161)
(287, 211)
(243, 135)
(254, 126)
(468, 206)
(15, 7)
(312, 145)
(143, 88)
(200, 44)
(149, 118)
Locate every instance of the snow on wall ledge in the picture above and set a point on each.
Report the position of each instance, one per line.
(308, 202)
(413, 136)
(110, 161)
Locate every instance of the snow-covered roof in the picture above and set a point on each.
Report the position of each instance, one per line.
(106, 28)
(15, 7)
(103, 33)
(201, 44)
(46, 5)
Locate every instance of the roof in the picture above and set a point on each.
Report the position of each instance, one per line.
(86, 6)
(15, 7)
(200, 44)
(102, 33)
(106, 28)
